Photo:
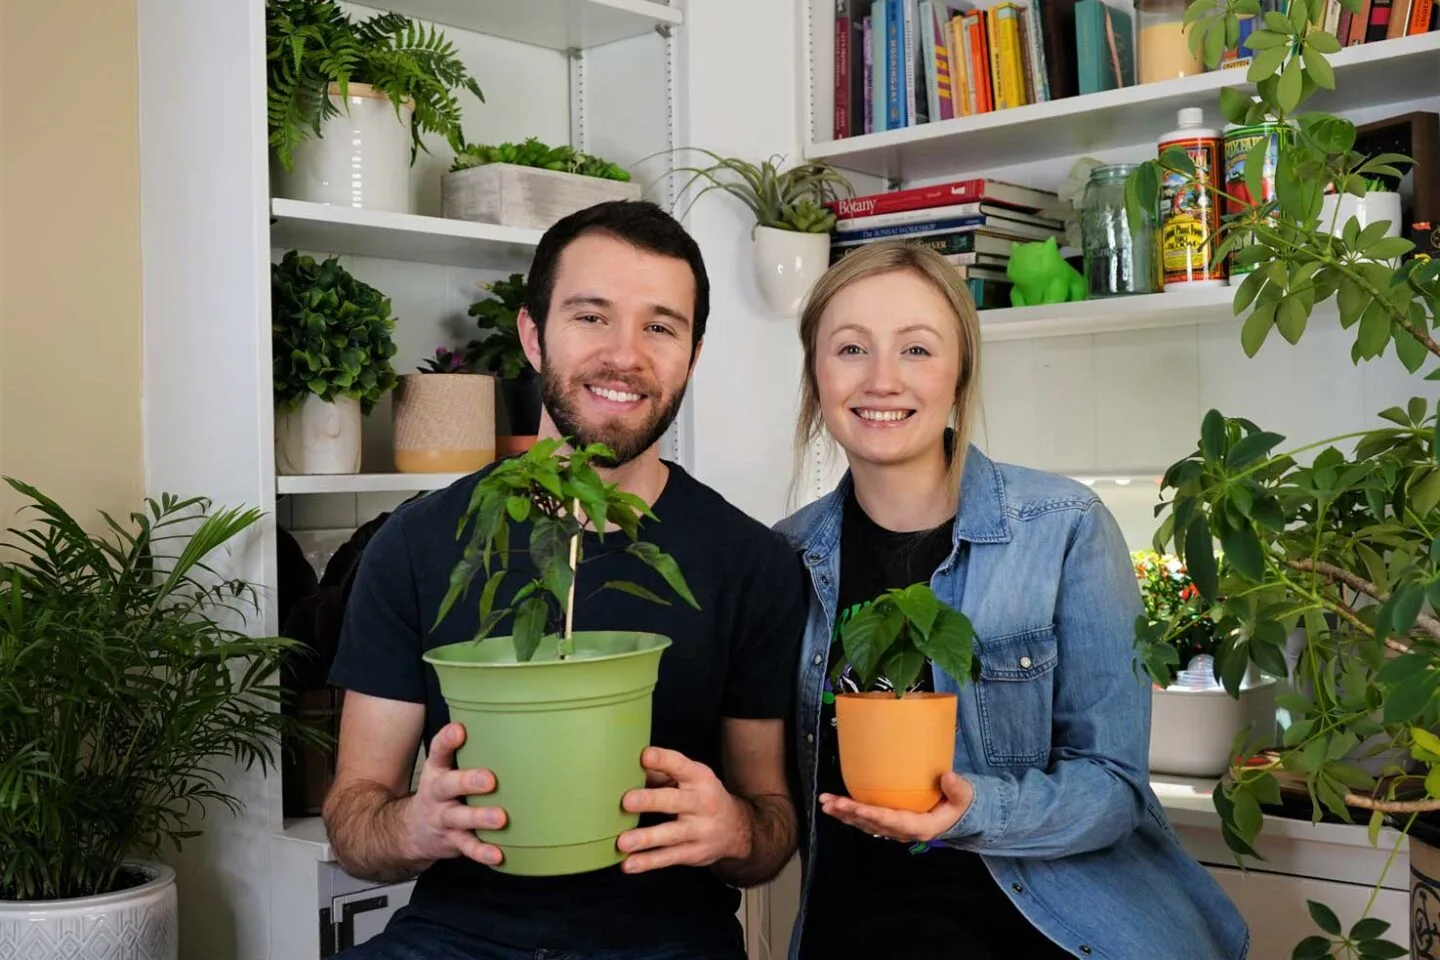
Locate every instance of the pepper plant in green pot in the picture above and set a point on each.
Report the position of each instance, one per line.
(545, 706)
(1339, 538)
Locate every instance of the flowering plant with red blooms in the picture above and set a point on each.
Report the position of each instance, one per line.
(1175, 612)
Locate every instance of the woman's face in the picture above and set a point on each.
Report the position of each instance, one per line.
(887, 359)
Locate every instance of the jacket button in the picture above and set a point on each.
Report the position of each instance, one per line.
(818, 660)
(1085, 949)
(809, 738)
(1024, 663)
(813, 557)
(1018, 887)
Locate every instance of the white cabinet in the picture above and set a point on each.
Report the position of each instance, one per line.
(1274, 906)
(352, 911)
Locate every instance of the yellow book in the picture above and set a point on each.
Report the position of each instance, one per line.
(1009, 60)
(959, 68)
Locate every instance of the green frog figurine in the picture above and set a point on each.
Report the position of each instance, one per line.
(1042, 276)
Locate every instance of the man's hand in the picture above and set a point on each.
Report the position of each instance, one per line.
(711, 824)
(438, 823)
(905, 825)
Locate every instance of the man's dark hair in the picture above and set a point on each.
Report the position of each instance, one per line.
(637, 222)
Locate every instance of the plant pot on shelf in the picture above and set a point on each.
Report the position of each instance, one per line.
(1376, 205)
(1193, 730)
(444, 422)
(521, 397)
(513, 195)
(787, 264)
(140, 922)
(1423, 840)
(546, 724)
(318, 437)
(894, 750)
(361, 158)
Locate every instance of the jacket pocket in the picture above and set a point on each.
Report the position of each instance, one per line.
(1014, 696)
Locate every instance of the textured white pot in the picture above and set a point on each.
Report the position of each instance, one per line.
(1191, 731)
(1371, 208)
(787, 264)
(318, 436)
(140, 923)
(361, 158)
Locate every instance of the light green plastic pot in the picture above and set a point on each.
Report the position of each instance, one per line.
(563, 738)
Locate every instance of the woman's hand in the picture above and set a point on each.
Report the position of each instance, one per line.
(905, 825)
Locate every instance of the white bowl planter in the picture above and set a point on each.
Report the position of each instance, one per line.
(513, 195)
(361, 158)
(1192, 731)
(444, 422)
(787, 264)
(140, 923)
(1371, 208)
(318, 436)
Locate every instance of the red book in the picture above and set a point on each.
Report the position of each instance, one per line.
(943, 195)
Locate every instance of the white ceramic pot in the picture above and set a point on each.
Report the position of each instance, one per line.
(787, 264)
(444, 422)
(318, 436)
(140, 923)
(1192, 731)
(361, 158)
(1371, 208)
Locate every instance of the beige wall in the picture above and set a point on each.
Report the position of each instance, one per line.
(70, 254)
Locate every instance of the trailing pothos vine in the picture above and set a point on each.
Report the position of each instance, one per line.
(1340, 538)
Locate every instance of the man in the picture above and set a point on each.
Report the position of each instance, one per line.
(615, 316)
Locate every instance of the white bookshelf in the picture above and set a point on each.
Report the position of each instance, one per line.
(1370, 75)
(552, 24)
(399, 236)
(1109, 315)
(365, 483)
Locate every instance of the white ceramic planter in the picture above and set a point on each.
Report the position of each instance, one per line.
(787, 264)
(140, 923)
(518, 196)
(1371, 208)
(318, 437)
(361, 158)
(1191, 731)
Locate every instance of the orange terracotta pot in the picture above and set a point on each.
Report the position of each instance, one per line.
(894, 751)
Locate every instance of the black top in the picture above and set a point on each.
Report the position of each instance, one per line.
(878, 897)
(736, 657)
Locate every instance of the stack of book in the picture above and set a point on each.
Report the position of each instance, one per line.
(972, 223)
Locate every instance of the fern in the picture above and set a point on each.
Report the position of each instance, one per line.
(311, 44)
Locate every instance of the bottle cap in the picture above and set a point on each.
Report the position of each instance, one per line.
(1192, 116)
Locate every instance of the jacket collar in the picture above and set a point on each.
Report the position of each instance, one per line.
(981, 515)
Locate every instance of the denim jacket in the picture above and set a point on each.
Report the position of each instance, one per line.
(1054, 736)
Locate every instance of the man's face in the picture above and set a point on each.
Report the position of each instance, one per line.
(617, 354)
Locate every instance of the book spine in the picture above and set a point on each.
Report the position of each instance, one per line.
(867, 46)
(842, 70)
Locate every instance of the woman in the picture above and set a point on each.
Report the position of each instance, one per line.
(1048, 841)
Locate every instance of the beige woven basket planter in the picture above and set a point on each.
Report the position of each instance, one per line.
(444, 422)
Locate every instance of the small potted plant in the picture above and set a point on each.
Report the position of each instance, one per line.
(501, 353)
(394, 79)
(124, 681)
(331, 346)
(529, 184)
(547, 707)
(896, 743)
(792, 224)
(444, 417)
(1194, 721)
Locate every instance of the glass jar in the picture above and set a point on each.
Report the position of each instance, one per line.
(1119, 250)
(1161, 41)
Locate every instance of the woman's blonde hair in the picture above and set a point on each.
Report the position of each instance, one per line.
(870, 260)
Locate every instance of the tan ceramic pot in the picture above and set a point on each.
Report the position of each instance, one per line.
(444, 422)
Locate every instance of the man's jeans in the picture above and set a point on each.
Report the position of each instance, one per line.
(413, 938)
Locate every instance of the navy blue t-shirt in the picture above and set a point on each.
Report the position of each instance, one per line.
(735, 657)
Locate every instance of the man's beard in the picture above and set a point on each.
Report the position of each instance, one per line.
(626, 444)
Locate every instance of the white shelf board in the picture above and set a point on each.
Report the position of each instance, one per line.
(1368, 75)
(1176, 308)
(366, 482)
(310, 833)
(553, 24)
(321, 228)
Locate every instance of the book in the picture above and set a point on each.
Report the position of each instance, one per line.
(1005, 194)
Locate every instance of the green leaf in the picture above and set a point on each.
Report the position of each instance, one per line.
(518, 508)
(1425, 495)
(1388, 248)
(1319, 68)
(1248, 818)
(1311, 948)
(919, 605)
(1234, 105)
(1299, 16)
(1382, 950)
(902, 667)
(1200, 557)
(1265, 63)
(950, 643)
(1257, 327)
(1374, 331)
(1425, 739)
(1242, 550)
(1322, 42)
(665, 565)
(1406, 603)
(1412, 352)
(866, 639)
(1250, 448)
(1288, 92)
(635, 590)
(1353, 301)
(1291, 318)
(1214, 42)
(1212, 436)
(1324, 917)
(530, 627)
(1409, 697)
(1377, 820)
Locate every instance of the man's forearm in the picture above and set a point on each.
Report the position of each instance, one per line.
(772, 830)
(364, 821)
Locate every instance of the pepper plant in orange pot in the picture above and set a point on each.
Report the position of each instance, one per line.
(895, 742)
